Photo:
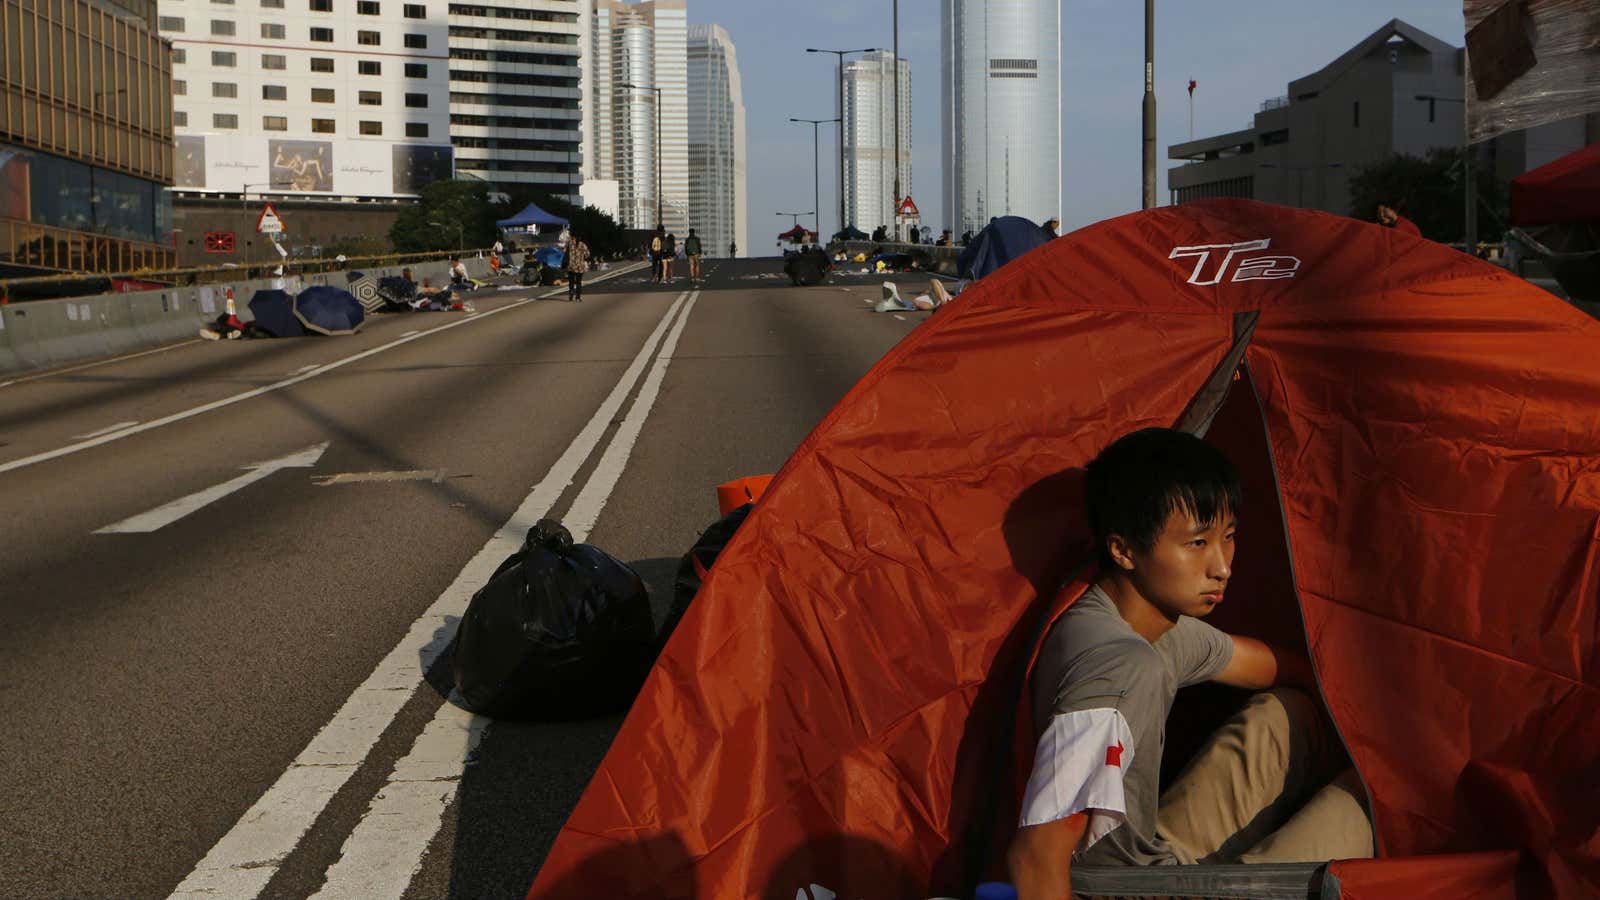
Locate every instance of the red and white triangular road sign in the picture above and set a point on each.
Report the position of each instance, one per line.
(270, 222)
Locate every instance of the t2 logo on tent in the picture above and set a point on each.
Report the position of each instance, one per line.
(1213, 261)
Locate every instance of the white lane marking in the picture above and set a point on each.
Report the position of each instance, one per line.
(106, 430)
(162, 516)
(866, 301)
(384, 852)
(408, 333)
(433, 475)
(900, 317)
(104, 362)
(304, 369)
(257, 392)
(247, 857)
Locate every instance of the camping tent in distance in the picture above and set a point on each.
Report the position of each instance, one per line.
(1421, 445)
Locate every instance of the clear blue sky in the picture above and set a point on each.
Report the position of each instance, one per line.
(1240, 52)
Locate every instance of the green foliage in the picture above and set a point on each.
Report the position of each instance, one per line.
(606, 238)
(450, 215)
(1429, 192)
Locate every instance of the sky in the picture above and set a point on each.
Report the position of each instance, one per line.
(1241, 53)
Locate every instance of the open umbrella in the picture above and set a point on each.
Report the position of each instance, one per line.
(329, 310)
(274, 314)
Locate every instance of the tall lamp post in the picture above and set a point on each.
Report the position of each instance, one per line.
(1149, 147)
(1470, 186)
(816, 182)
(842, 54)
(640, 87)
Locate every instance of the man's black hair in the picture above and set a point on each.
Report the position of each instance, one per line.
(1142, 478)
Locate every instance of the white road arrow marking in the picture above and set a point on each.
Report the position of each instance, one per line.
(163, 516)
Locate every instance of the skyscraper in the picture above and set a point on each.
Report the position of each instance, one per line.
(645, 45)
(717, 193)
(869, 135)
(1000, 64)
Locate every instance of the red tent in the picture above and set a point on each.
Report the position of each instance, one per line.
(797, 235)
(1419, 434)
(1566, 190)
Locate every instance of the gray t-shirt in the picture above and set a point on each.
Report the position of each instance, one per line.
(1093, 659)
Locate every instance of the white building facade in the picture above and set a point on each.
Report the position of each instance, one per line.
(717, 189)
(316, 99)
(639, 136)
(869, 139)
(1000, 68)
(516, 92)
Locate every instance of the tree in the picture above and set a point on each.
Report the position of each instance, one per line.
(1428, 190)
(449, 215)
(605, 237)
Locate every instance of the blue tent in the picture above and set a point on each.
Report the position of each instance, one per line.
(329, 310)
(274, 314)
(552, 256)
(1002, 240)
(531, 218)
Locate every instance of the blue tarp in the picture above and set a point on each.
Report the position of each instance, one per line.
(531, 215)
(274, 314)
(554, 257)
(328, 310)
(1002, 240)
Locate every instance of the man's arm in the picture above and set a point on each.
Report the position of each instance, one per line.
(1040, 858)
(1257, 665)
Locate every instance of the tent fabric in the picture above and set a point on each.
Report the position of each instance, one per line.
(1420, 447)
(1565, 190)
(329, 310)
(531, 215)
(552, 256)
(274, 313)
(1005, 238)
(796, 234)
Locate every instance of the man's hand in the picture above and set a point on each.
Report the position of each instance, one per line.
(1257, 666)
(1040, 858)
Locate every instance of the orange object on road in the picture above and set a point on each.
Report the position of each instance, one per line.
(736, 493)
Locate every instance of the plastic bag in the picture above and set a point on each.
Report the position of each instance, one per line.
(561, 631)
(697, 563)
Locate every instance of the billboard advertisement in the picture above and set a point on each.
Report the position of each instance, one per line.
(236, 163)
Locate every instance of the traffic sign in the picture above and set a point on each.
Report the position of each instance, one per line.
(270, 222)
(219, 242)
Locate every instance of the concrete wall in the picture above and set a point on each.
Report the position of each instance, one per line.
(48, 333)
(307, 224)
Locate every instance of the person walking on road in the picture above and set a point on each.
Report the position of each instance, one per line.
(658, 243)
(733, 249)
(692, 249)
(669, 251)
(577, 264)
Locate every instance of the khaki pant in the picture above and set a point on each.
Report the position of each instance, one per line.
(1267, 787)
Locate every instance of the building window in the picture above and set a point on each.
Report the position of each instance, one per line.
(322, 95)
(274, 31)
(322, 35)
(275, 61)
(417, 101)
(368, 38)
(321, 64)
(274, 92)
(224, 120)
(1356, 123)
(416, 11)
(223, 2)
(372, 128)
(274, 123)
(322, 5)
(222, 27)
(416, 70)
(370, 98)
(179, 88)
(180, 118)
(369, 67)
(322, 126)
(367, 8)
(224, 89)
(272, 4)
(225, 58)
(417, 41)
(416, 129)
(179, 55)
(171, 23)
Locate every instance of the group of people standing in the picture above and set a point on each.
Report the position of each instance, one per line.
(663, 250)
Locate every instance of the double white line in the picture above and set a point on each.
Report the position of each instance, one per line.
(385, 850)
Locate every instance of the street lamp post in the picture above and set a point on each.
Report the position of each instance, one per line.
(1470, 185)
(1299, 176)
(1149, 103)
(640, 87)
(842, 54)
(816, 182)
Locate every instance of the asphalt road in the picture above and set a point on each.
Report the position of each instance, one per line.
(158, 683)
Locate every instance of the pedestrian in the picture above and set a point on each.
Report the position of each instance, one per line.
(577, 264)
(499, 248)
(458, 274)
(658, 243)
(733, 249)
(1052, 227)
(692, 249)
(1389, 217)
(669, 251)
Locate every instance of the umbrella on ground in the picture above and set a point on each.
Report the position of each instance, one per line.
(329, 310)
(274, 314)
(551, 256)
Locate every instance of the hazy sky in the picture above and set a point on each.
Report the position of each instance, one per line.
(1241, 53)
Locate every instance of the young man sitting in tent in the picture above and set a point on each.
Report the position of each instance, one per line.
(1271, 785)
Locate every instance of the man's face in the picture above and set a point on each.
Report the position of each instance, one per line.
(1187, 570)
(1386, 214)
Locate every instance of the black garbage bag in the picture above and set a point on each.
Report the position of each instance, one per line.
(697, 562)
(561, 631)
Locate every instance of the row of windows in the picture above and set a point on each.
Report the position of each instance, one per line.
(501, 34)
(559, 81)
(511, 56)
(514, 122)
(363, 7)
(1013, 64)
(512, 100)
(1013, 74)
(230, 90)
(275, 31)
(230, 122)
(516, 144)
(279, 62)
(501, 12)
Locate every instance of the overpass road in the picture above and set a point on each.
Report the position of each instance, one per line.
(230, 570)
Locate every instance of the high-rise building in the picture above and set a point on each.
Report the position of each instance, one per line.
(717, 191)
(516, 90)
(1000, 64)
(636, 110)
(869, 137)
(85, 138)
